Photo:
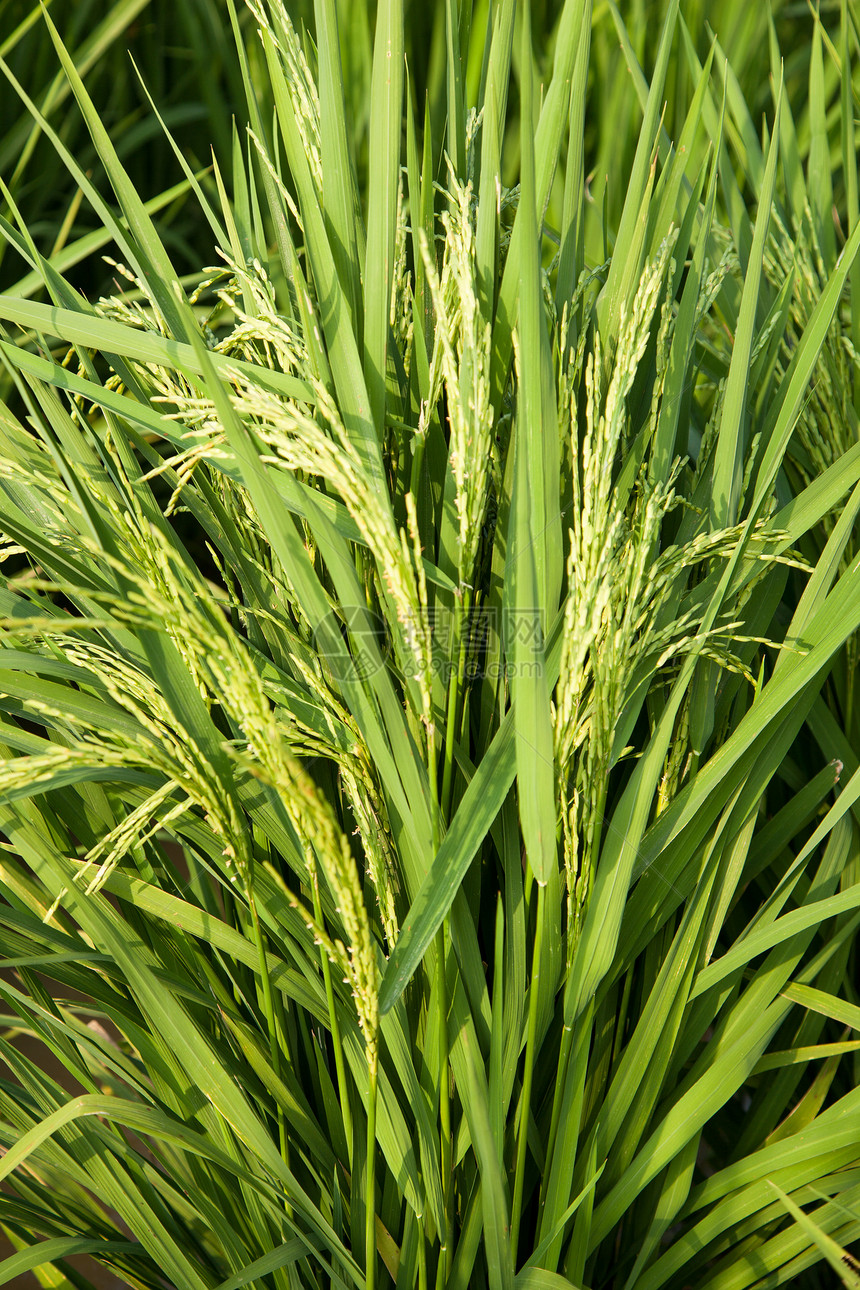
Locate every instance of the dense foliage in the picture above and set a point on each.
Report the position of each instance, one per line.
(428, 716)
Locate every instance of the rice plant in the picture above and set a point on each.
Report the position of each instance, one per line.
(430, 757)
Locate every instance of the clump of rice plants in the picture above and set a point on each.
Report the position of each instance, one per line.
(429, 778)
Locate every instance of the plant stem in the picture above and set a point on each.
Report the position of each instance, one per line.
(433, 776)
(458, 660)
(422, 1257)
(370, 1180)
(462, 604)
(419, 441)
(444, 1265)
(340, 1068)
(445, 1253)
(528, 1073)
(269, 1007)
(558, 1097)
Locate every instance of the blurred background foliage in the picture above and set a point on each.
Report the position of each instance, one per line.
(184, 53)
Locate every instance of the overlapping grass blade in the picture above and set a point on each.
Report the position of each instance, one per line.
(430, 749)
